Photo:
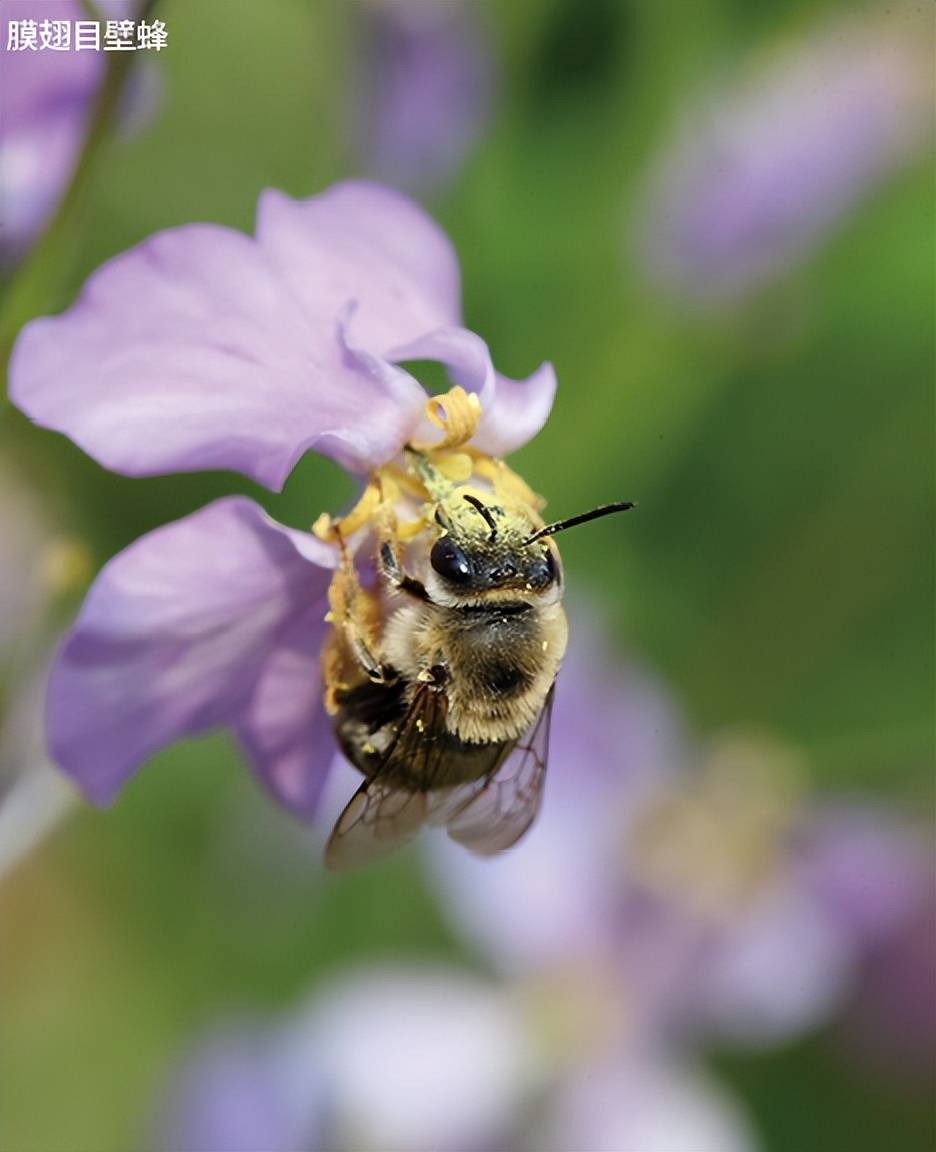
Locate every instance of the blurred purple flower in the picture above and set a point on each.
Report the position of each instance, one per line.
(204, 348)
(615, 734)
(423, 88)
(652, 908)
(236, 1093)
(433, 1061)
(46, 98)
(756, 175)
(651, 1106)
(866, 867)
(892, 1021)
(880, 881)
(406, 1060)
(712, 902)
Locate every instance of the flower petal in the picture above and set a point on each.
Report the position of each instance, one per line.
(614, 734)
(180, 633)
(424, 79)
(779, 971)
(454, 1054)
(285, 729)
(757, 174)
(513, 411)
(189, 352)
(361, 241)
(231, 1095)
(33, 83)
(648, 1105)
(46, 97)
(202, 348)
(868, 869)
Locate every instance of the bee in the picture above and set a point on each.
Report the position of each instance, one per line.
(440, 677)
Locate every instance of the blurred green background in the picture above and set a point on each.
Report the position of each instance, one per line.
(779, 571)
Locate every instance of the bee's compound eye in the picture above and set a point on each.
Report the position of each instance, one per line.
(545, 570)
(449, 561)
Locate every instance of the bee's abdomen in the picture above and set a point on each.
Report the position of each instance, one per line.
(367, 714)
(397, 731)
(372, 705)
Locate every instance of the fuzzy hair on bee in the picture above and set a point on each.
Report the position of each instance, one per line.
(440, 677)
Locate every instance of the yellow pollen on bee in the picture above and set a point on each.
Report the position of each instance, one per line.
(401, 504)
(420, 725)
(368, 749)
(545, 645)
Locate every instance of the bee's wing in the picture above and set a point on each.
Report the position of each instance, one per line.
(376, 820)
(382, 816)
(491, 814)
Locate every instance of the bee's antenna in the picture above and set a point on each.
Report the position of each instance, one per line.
(485, 512)
(594, 514)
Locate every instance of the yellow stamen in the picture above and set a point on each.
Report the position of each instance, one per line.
(456, 466)
(410, 529)
(506, 483)
(457, 414)
(360, 515)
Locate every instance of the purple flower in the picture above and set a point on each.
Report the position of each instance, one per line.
(434, 1059)
(46, 96)
(204, 348)
(235, 1093)
(880, 882)
(712, 902)
(422, 90)
(755, 176)
(411, 1060)
(652, 1106)
(615, 734)
(892, 1022)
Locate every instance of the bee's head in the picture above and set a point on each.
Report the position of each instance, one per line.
(497, 553)
(484, 554)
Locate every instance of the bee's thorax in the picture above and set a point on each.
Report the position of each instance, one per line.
(499, 661)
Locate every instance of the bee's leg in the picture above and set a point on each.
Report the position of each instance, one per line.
(389, 563)
(356, 613)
